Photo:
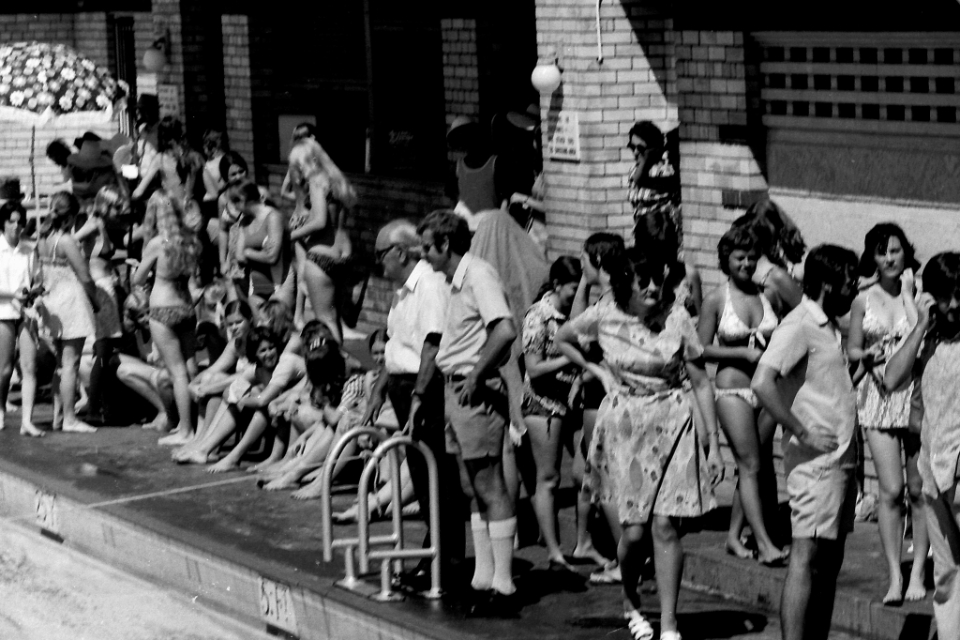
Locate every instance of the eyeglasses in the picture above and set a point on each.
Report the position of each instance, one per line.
(382, 253)
(642, 148)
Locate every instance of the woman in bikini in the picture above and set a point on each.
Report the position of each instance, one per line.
(321, 244)
(741, 320)
(70, 301)
(880, 318)
(172, 258)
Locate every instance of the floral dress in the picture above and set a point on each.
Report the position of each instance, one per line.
(547, 395)
(876, 408)
(645, 456)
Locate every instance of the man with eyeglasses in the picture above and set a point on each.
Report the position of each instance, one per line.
(476, 341)
(414, 325)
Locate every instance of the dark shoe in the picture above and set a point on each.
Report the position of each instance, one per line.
(493, 604)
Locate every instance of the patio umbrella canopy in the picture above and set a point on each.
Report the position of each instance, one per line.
(51, 84)
(40, 83)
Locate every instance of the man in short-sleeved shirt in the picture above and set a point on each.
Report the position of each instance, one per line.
(417, 317)
(803, 381)
(477, 337)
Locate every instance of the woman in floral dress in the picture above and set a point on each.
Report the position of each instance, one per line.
(881, 316)
(647, 453)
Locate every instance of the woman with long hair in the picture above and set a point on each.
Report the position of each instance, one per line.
(781, 254)
(70, 300)
(318, 230)
(208, 387)
(649, 456)
(548, 381)
(171, 257)
(741, 319)
(880, 318)
(658, 237)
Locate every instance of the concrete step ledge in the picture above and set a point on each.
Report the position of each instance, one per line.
(259, 596)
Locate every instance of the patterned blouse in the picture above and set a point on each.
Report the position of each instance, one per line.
(546, 395)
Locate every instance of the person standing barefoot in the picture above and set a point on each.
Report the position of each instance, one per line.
(172, 256)
(881, 316)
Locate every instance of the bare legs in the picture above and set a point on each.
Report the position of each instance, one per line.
(69, 355)
(322, 293)
(739, 423)
(806, 607)
(8, 348)
(169, 346)
(28, 382)
(140, 376)
(545, 442)
(886, 450)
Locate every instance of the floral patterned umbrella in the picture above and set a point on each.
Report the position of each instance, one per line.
(41, 83)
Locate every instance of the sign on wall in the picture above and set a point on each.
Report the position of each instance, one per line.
(169, 97)
(564, 144)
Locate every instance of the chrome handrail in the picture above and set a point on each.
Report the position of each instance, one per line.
(398, 553)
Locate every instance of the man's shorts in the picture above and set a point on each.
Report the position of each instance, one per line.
(475, 430)
(822, 501)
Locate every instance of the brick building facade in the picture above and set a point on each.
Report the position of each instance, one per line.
(846, 120)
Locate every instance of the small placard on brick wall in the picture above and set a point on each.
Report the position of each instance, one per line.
(169, 97)
(565, 143)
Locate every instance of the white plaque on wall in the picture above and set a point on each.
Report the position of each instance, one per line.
(565, 142)
(169, 97)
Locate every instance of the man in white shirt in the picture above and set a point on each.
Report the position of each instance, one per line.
(16, 268)
(414, 325)
(477, 337)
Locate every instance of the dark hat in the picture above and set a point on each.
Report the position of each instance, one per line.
(528, 120)
(462, 131)
(10, 188)
(148, 108)
(91, 154)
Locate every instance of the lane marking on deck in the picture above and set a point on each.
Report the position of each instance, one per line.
(168, 492)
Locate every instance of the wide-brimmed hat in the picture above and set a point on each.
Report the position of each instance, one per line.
(148, 108)
(461, 131)
(91, 154)
(526, 120)
(10, 189)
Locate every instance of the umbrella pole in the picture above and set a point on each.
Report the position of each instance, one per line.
(33, 169)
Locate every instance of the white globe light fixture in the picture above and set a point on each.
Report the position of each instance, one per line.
(546, 75)
(154, 59)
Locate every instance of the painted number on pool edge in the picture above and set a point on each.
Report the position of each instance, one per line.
(47, 511)
(276, 605)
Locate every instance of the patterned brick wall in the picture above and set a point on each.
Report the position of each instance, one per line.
(461, 83)
(236, 80)
(635, 81)
(720, 153)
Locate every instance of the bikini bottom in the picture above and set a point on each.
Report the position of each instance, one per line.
(174, 316)
(744, 394)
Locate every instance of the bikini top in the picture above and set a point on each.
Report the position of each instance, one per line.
(732, 329)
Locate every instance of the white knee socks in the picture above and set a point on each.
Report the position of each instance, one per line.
(483, 568)
(501, 535)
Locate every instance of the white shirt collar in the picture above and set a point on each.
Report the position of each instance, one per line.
(461, 271)
(419, 270)
(815, 310)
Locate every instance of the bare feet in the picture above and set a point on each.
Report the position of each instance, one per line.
(192, 456)
(28, 429)
(225, 465)
(264, 467)
(915, 590)
(78, 427)
(160, 423)
(588, 552)
(312, 491)
(286, 481)
(778, 557)
(737, 549)
(316, 474)
(894, 595)
(3, 419)
(175, 438)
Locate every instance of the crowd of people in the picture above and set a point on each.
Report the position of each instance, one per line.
(224, 311)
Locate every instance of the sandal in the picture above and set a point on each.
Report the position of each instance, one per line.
(638, 626)
(606, 576)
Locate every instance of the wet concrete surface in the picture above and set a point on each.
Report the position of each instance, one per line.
(123, 472)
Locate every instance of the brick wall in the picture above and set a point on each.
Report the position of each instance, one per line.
(461, 83)
(167, 18)
(720, 152)
(635, 81)
(236, 82)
